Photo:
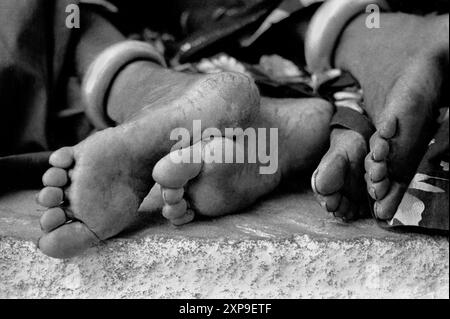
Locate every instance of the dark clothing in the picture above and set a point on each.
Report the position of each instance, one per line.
(34, 51)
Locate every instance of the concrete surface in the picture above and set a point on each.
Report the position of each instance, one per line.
(283, 247)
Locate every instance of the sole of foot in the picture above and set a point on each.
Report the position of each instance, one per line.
(337, 182)
(94, 189)
(214, 189)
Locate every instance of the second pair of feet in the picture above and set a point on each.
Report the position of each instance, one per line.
(404, 75)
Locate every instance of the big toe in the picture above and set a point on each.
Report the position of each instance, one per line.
(346, 211)
(62, 158)
(330, 202)
(174, 170)
(388, 128)
(330, 176)
(67, 241)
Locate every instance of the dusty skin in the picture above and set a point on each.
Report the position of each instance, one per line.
(214, 189)
(94, 189)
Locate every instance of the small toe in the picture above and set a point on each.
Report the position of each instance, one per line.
(50, 196)
(388, 128)
(329, 177)
(56, 177)
(62, 158)
(175, 211)
(377, 171)
(52, 219)
(177, 168)
(172, 196)
(186, 218)
(379, 190)
(67, 241)
(386, 208)
(379, 149)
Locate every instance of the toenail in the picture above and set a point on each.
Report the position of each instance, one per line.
(37, 242)
(313, 181)
(372, 156)
(373, 193)
(376, 209)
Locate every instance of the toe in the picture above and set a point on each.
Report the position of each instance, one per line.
(50, 196)
(153, 201)
(388, 128)
(177, 168)
(56, 177)
(330, 175)
(175, 211)
(172, 196)
(67, 241)
(330, 202)
(62, 158)
(343, 212)
(378, 190)
(376, 171)
(385, 208)
(379, 149)
(52, 219)
(186, 218)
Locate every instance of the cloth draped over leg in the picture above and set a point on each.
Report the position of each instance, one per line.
(40, 105)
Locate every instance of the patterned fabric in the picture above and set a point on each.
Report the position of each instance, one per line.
(425, 203)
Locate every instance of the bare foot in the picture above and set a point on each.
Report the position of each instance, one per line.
(94, 189)
(338, 180)
(214, 189)
(404, 74)
(404, 129)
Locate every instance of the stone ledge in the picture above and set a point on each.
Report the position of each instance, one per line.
(284, 247)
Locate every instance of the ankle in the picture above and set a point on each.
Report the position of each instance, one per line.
(360, 46)
(343, 136)
(130, 88)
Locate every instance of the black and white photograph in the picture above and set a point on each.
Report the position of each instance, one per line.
(235, 151)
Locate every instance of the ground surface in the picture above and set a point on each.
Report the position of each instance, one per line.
(283, 247)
